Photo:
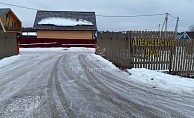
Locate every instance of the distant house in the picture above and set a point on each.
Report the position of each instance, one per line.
(185, 36)
(65, 24)
(9, 22)
(28, 32)
(190, 34)
(179, 35)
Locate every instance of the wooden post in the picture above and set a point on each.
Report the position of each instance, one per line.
(129, 49)
(2, 25)
(171, 54)
(18, 48)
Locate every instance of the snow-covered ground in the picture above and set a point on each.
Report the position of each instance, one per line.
(162, 80)
(74, 82)
(156, 79)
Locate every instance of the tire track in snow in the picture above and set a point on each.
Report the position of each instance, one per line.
(72, 75)
(12, 65)
(106, 95)
(22, 72)
(52, 102)
(147, 111)
(69, 75)
(172, 99)
(83, 84)
(7, 102)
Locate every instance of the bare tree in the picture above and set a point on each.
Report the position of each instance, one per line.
(191, 28)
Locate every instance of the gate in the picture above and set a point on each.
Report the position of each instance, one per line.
(47, 43)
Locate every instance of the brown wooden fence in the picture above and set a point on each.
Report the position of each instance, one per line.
(151, 50)
(8, 44)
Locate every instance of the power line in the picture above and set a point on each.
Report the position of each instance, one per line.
(172, 20)
(161, 24)
(132, 16)
(96, 15)
(172, 16)
(19, 6)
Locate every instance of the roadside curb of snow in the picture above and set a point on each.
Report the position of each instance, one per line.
(161, 80)
(8, 60)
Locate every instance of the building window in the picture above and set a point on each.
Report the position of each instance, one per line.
(6, 16)
(13, 24)
(7, 24)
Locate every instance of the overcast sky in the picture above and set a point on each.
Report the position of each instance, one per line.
(177, 8)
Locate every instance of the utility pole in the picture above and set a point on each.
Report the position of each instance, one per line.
(176, 28)
(159, 27)
(163, 24)
(166, 19)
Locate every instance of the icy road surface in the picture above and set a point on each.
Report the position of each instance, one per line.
(52, 84)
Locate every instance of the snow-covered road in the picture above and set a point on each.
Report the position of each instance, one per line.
(62, 83)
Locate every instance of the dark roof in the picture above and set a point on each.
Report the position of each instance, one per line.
(190, 34)
(3, 11)
(89, 16)
(184, 36)
(28, 29)
(178, 36)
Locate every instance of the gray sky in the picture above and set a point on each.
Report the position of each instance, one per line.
(181, 8)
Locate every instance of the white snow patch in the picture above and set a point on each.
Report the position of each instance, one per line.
(72, 49)
(161, 80)
(63, 21)
(22, 107)
(109, 64)
(80, 49)
(8, 60)
(29, 33)
(42, 49)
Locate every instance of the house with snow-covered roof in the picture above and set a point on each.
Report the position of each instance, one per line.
(65, 25)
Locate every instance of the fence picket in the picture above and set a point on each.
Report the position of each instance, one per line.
(151, 50)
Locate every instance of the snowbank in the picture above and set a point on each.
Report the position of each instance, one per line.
(8, 60)
(161, 80)
(63, 22)
(104, 61)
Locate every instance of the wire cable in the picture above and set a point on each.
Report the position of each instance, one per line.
(172, 16)
(132, 16)
(172, 20)
(96, 15)
(19, 6)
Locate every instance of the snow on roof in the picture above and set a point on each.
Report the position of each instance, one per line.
(63, 22)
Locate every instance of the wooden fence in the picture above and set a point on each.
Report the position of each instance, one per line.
(151, 50)
(8, 44)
